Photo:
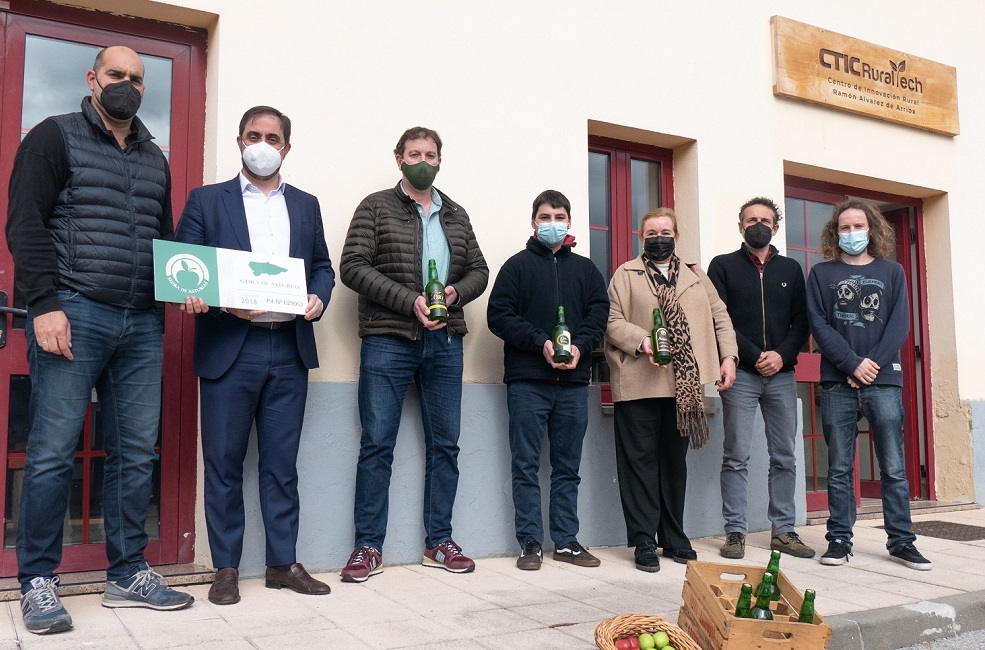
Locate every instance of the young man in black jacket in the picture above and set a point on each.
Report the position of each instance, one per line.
(542, 393)
(767, 302)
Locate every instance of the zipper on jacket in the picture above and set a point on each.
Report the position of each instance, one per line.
(762, 296)
(557, 297)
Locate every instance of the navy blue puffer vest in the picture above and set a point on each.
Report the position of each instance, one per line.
(109, 211)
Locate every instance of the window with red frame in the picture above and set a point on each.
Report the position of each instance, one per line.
(625, 181)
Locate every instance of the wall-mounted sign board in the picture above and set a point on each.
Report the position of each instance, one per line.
(824, 67)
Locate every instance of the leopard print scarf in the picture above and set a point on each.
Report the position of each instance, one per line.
(691, 419)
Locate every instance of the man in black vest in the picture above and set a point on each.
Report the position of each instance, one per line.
(89, 193)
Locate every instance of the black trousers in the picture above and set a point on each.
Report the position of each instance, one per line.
(651, 460)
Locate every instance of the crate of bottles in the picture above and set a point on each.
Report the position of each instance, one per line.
(710, 593)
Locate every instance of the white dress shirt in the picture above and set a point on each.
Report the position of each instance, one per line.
(270, 229)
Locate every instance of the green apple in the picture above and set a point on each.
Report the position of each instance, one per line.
(661, 640)
(646, 641)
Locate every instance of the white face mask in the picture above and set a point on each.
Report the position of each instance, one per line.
(262, 159)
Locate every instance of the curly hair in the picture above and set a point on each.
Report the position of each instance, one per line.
(882, 237)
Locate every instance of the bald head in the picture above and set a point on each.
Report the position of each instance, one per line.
(115, 52)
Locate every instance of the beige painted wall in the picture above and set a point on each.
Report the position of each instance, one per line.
(515, 87)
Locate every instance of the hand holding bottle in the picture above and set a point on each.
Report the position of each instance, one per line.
(549, 355)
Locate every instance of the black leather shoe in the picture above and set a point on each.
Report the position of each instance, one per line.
(225, 587)
(295, 578)
(646, 557)
(680, 555)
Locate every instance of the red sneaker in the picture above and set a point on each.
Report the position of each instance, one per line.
(448, 556)
(364, 562)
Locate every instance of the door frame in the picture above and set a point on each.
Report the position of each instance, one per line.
(186, 48)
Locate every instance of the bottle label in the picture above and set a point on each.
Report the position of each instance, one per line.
(436, 300)
(563, 341)
(663, 340)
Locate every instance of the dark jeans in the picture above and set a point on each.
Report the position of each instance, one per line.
(118, 352)
(563, 411)
(387, 366)
(267, 384)
(651, 460)
(841, 408)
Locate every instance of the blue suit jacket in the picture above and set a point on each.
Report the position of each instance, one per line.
(214, 216)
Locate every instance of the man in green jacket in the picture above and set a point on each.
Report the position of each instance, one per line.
(393, 235)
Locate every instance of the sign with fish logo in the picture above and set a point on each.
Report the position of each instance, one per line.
(229, 278)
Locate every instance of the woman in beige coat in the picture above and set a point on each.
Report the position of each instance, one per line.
(659, 409)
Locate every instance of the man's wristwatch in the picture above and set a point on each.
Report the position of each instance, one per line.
(734, 358)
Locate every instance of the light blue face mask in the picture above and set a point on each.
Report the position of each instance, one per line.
(552, 233)
(853, 242)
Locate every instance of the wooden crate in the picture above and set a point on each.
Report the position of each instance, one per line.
(710, 593)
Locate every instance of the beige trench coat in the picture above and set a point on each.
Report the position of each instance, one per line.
(632, 299)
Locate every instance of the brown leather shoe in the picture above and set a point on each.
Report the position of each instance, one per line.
(295, 578)
(225, 587)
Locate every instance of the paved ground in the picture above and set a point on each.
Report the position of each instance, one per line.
(872, 602)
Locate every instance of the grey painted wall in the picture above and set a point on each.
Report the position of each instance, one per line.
(978, 447)
(483, 517)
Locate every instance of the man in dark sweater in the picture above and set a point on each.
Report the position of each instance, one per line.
(89, 193)
(541, 392)
(766, 300)
(859, 315)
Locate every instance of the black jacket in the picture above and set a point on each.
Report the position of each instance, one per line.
(768, 312)
(83, 212)
(381, 261)
(523, 309)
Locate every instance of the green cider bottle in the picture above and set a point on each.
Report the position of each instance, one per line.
(774, 568)
(561, 339)
(761, 610)
(807, 609)
(743, 608)
(660, 339)
(435, 293)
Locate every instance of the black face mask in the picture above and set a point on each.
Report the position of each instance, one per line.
(120, 100)
(758, 236)
(659, 248)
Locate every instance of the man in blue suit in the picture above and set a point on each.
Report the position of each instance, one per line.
(254, 364)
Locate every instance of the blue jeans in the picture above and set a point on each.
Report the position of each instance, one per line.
(841, 408)
(118, 352)
(776, 397)
(563, 411)
(387, 366)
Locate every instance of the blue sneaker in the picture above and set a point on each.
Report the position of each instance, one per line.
(145, 589)
(42, 608)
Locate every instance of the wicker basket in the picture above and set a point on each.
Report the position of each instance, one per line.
(612, 629)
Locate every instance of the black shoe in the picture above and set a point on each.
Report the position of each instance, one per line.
(680, 555)
(531, 556)
(646, 557)
(911, 557)
(837, 553)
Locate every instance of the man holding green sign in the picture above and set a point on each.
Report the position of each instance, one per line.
(253, 363)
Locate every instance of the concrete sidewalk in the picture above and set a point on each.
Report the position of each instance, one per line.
(872, 602)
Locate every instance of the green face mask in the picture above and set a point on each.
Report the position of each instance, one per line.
(421, 175)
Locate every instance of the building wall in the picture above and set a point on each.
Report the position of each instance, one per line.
(515, 88)
(483, 516)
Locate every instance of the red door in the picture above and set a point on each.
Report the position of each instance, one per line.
(46, 50)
